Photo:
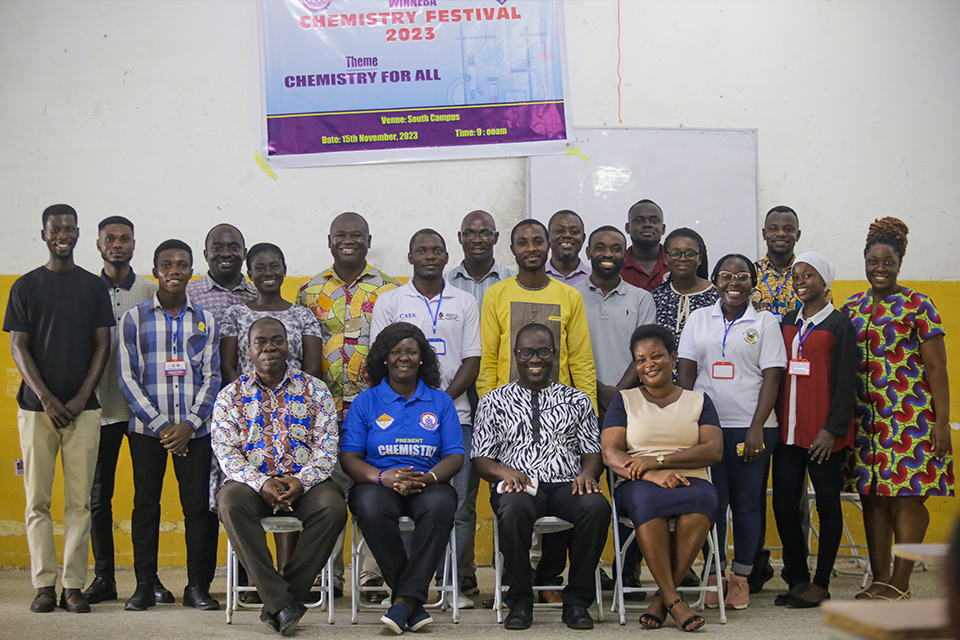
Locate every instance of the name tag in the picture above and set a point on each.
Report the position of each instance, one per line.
(723, 370)
(175, 367)
(439, 346)
(778, 316)
(799, 367)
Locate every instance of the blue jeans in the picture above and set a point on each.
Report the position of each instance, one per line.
(739, 485)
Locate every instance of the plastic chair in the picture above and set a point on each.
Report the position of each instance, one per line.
(712, 560)
(276, 524)
(546, 524)
(449, 585)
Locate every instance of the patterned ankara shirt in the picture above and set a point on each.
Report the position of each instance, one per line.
(345, 312)
(541, 433)
(216, 299)
(774, 290)
(133, 290)
(261, 433)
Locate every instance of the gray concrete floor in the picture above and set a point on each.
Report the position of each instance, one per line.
(108, 620)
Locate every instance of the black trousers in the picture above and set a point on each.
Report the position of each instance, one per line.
(323, 513)
(101, 499)
(516, 514)
(193, 477)
(378, 510)
(790, 464)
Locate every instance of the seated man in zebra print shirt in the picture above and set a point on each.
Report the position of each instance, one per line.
(538, 444)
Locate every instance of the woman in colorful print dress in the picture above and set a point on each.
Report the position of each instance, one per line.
(688, 288)
(902, 451)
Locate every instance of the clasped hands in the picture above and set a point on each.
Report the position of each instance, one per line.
(281, 492)
(645, 468)
(174, 437)
(404, 480)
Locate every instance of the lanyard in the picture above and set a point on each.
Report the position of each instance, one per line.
(434, 316)
(774, 300)
(726, 329)
(802, 338)
(176, 331)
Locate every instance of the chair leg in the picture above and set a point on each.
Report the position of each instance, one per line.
(231, 579)
(454, 576)
(497, 572)
(599, 596)
(354, 572)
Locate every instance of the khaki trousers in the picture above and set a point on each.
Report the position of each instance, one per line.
(78, 444)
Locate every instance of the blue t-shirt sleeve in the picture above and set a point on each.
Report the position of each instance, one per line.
(451, 434)
(354, 436)
(709, 415)
(616, 415)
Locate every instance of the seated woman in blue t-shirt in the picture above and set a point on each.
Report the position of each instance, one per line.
(401, 444)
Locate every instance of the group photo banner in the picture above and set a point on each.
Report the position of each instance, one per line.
(360, 81)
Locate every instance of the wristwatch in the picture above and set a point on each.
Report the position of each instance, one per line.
(660, 462)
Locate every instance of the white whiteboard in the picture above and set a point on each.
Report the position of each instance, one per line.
(705, 179)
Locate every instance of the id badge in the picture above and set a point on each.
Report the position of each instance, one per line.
(175, 367)
(778, 316)
(799, 367)
(723, 371)
(439, 346)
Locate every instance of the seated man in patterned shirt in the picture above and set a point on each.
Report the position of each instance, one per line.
(275, 436)
(537, 443)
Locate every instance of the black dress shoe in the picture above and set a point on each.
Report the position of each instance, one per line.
(606, 582)
(576, 616)
(73, 601)
(198, 596)
(288, 617)
(46, 600)
(161, 594)
(100, 590)
(269, 619)
(142, 599)
(520, 617)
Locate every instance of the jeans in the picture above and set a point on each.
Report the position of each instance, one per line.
(738, 485)
(465, 520)
(101, 499)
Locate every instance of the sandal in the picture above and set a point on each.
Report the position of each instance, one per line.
(901, 595)
(696, 620)
(650, 621)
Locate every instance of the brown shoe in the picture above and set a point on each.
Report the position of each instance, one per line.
(46, 600)
(373, 597)
(552, 596)
(73, 601)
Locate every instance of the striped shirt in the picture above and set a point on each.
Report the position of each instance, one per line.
(148, 338)
(216, 299)
(133, 290)
(459, 278)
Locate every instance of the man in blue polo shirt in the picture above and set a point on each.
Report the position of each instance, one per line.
(450, 319)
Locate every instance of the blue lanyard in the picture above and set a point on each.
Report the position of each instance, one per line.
(726, 330)
(774, 300)
(802, 338)
(434, 316)
(179, 324)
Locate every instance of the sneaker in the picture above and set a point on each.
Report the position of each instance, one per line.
(463, 602)
(469, 586)
(711, 599)
(738, 596)
(396, 618)
(418, 619)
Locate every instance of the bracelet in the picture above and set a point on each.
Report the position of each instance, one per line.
(436, 480)
(380, 477)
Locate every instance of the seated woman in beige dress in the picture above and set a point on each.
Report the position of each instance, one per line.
(659, 439)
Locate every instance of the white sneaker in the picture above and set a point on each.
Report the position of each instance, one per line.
(463, 602)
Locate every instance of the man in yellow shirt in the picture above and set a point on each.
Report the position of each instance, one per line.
(533, 296)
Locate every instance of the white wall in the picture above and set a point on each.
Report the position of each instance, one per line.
(150, 109)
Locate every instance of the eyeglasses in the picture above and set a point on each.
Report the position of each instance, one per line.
(689, 254)
(526, 354)
(486, 234)
(743, 277)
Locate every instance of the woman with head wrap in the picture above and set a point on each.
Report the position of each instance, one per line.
(815, 413)
(902, 450)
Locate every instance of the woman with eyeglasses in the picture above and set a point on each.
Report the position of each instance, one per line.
(688, 289)
(902, 453)
(736, 355)
(401, 444)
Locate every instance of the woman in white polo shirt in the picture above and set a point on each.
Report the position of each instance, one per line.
(735, 354)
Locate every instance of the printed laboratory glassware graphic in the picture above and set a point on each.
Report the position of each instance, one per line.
(529, 72)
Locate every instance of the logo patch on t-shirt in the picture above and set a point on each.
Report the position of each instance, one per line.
(384, 421)
(751, 336)
(429, 421)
